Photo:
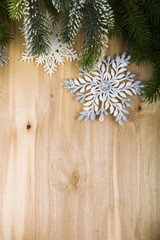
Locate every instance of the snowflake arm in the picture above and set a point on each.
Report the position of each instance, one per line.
(3, 57)
(26, 57)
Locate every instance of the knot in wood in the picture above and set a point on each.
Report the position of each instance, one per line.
(28, 126)
(139, 108)
(74, 178)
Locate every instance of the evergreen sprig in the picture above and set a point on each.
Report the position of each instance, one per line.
(131, 23)
(71, 20)
(36, 28)
(95, 17)
(138, 22)
(4, 10)
(151, 92)
(62, 4)
(5, 35)
(97, 21)
(48, 5)
(17, 8)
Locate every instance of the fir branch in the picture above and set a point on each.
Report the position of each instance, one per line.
(4, 10)
(151, 9)
(49, 6)
(36, 29)
(98, 18)
(135, 23)
(5, 36)
(141, 53)
(131, 21)
(71, 21)
(151, 92)
(62, 4)
(17, 8)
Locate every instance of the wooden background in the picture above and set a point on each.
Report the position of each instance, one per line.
(69, 180)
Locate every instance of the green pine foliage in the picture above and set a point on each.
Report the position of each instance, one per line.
(95, 17)
(5, 35)
(62, 4)
(97, 21)
(138, 21)
(49, 6)
(131, 23)
(152, 10)
(151, 92)
(71, 21)
(16, 8)
(4, 10)
(36, 28)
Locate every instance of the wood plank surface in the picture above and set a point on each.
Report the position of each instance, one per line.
(65, 179)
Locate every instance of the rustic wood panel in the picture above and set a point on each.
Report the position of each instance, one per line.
(67, 180)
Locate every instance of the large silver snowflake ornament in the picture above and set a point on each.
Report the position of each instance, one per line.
(3, 57)
(58, 53)
(105, 90)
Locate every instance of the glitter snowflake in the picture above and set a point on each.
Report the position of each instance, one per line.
(106, 89)
(58, 52)
(3, 57)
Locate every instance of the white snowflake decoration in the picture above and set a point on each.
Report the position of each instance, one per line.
(58, 52)
(106, 90)
(3, 57)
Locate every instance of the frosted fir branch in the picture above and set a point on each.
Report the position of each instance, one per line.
(17, 8)
(106, 14)
(59, 4)
(98, 20)
(36, 31)
(72, 21)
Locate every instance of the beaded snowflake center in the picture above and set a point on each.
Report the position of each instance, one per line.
(105, 86)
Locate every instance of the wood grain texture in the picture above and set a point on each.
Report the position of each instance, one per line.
(68, 180)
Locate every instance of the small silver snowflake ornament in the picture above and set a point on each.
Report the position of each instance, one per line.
(105, 90)
(58, 53)
(3, 57)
